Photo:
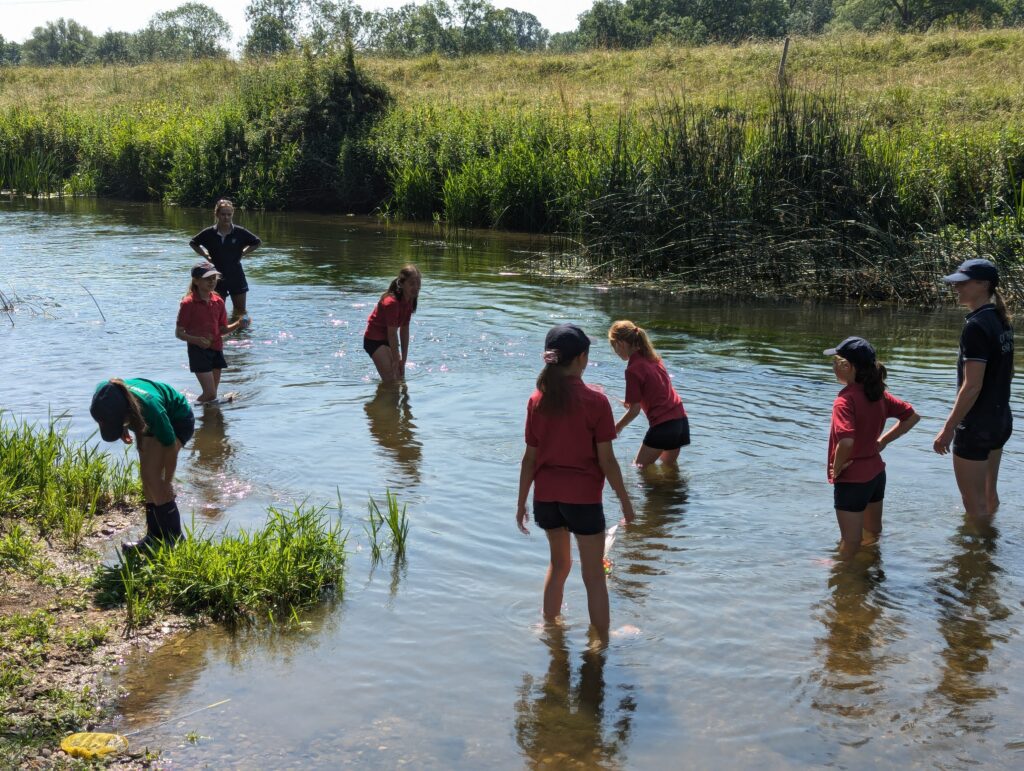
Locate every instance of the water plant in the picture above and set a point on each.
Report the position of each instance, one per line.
(397, 524)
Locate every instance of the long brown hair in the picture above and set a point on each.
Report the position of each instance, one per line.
(395, 287)
(627, 332)
(1001, 311)
(136, 422)
(872, 377)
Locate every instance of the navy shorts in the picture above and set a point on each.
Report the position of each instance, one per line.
(578, 518)
(670, 435)
(370, 346)
(205, 359)
(855, 496)
(975, 442)
(183, 428)
(232, 285)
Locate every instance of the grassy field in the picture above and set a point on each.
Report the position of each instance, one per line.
(882, 151)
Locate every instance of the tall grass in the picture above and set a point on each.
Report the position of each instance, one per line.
(59, 486)
(291, 562)
(396, 522)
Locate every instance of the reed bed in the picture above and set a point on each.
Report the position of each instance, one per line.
(56, 486)
(293, 561)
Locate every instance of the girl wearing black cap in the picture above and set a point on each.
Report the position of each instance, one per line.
(980, 422)
(855, 442)
(569, 433)
(163, 422)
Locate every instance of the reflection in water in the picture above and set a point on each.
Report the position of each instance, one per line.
(969, 602)
(392, 427)
(563, 725)
(855, 651)
(651, 541)
(210, 470)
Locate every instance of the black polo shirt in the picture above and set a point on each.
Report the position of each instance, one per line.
(226, 251)
(985, 338)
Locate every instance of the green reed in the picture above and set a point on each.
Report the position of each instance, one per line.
(394, 519)
(59, 486)
(289, 563)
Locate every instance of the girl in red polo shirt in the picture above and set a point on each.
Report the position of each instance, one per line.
(649, 388)
(855, 442)
(569, 433)
(202, 323)
(388, 325)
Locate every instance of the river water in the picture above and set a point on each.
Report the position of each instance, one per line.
(741, 643)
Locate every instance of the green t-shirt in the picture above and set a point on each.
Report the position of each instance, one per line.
(161, 406)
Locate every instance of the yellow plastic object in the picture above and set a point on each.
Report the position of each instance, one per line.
(93, 745)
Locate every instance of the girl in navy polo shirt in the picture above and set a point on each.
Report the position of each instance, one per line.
(569, 433)
(202, 323)
(387, 326)
(855, 442)
(649, 388)
(225, 244)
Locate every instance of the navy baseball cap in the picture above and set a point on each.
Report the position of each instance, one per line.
(204, 269)
(109, 407)
(569, 340)
(855, 350)
(981, 270)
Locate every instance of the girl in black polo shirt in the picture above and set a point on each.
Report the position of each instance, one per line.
(225, 244)
(980, 422)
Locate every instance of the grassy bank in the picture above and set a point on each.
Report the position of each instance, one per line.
(65, 619)
(881, 161)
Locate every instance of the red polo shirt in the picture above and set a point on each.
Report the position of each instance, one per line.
(566, 469)
(389, 312)
(204, 319)
(648, 383)
(854, 416)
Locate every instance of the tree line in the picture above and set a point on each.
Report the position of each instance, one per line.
(464, 27)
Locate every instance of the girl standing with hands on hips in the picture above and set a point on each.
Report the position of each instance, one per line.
(225, 244)
(202, 323)
(855, 442)
(569, 433)
(980, 422)
(386, 338)
(649, 388)
(162, 421)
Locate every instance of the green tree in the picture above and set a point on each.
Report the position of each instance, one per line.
(268, 36)
(64, 41)
(10, 52)
(116, 48)
(192, 31)
(911, 14)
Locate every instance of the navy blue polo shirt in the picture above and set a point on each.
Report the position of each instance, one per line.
(985, 338)
(226, 251)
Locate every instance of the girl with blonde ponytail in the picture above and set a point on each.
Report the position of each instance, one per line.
(649, 388)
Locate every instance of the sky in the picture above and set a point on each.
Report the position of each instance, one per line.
(19, 17)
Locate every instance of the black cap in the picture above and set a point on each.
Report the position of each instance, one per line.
(204, 269)
(855, 350)
(981, 270)
(109, 407)
(568, 340)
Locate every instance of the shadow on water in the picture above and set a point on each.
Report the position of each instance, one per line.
(565, 724)
(393, 427)
(969, 602)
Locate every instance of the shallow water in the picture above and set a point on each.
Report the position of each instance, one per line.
(743, 645)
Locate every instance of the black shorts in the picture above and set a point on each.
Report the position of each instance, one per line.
(232, 285)
(976, 441)
(183, 428)
(855, 496)
(578, 518)
(670, 435)
(205, 359)
(370, 346)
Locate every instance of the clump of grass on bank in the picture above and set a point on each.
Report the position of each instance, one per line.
(55, 486)
(292, 562)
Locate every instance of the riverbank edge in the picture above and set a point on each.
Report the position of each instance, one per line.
(70, 664)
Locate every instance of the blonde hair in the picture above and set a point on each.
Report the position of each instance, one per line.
(136, 422)
(222, 203)
(627, 332)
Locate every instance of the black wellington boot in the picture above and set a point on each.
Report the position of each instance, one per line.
(168, 522)
(150, 538)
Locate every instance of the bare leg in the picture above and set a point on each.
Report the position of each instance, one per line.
(208, 383)
(670, 457)
(153, 464)
(558, 571)
(592, 566)
(992, 480)
(850, 525)
(216, 381)
(872, 523)
(382, 361)
(170, 465)
(971, 477)
(646, 456)
(238, 305)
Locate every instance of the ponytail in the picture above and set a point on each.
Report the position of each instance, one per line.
(1001, 311)
(629, 333)
(872, 377)
(553, 384)
(395, 287)
(135, 420)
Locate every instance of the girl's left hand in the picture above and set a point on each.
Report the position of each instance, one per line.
(942, 441)
(521, 519)
(126, 437)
